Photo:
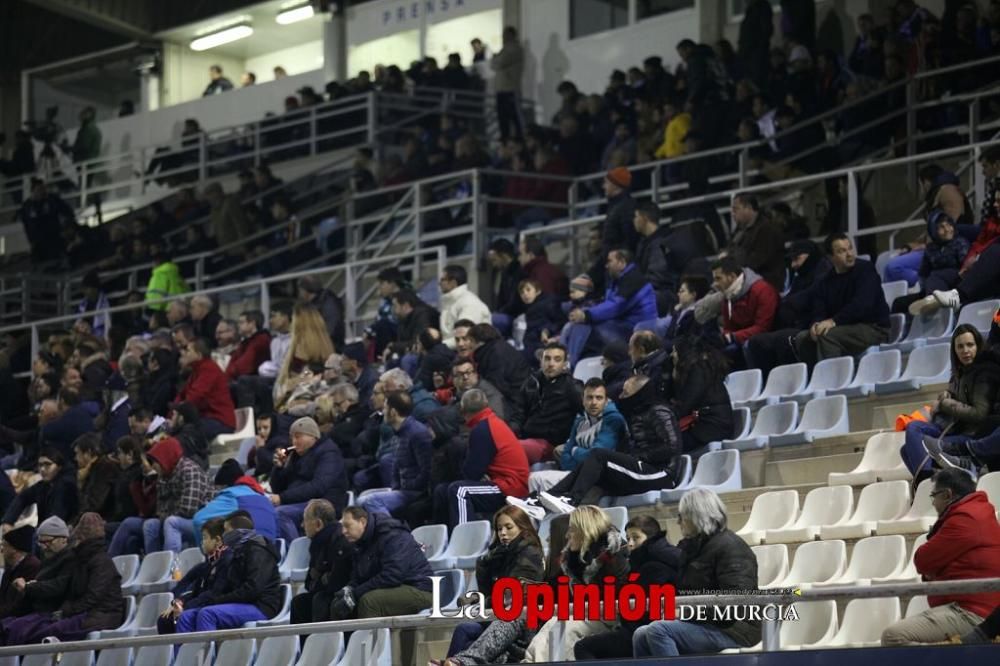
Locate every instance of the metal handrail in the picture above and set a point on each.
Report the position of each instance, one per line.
(403, 622)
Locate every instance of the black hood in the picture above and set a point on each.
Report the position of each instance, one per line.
(643, 399)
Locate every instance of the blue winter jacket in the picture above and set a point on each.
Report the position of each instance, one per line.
(411, 468)
(614, 431)
(244, 495)
(629, 298)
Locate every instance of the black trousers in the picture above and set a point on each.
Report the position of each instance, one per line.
(508, 115)
(605, 472)
(311, 607)
(613, 644)
(982, 280)
(767, 351)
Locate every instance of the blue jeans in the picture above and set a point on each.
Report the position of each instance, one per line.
(913, 452)
(127, 539)
(220, 616)
(502, 322)
(671, 638)
(411, 363)
(577, 336)
(905, 267)
(388, 502)
(378, 475)
(465, 635)
(289, 519)
(171, 534)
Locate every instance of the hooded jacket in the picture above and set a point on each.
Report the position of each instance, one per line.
(939, 254)
(460, 303)
(629, 298)
(658, 563)
(494, 450)
(183, 487)
(963, 543)
(751, 309)
(503, 366)
(607, 431)
(207, 388)
(387, 556)
(165, 281)
(721, 561)
(249, 575)
(656, 438)
(97, 491)
(319, 474)
(411, 467)
(972, 396)
(712, 403)
(244, 495)
(94, 587)
(545, 408)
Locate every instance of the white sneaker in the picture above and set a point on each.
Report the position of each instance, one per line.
(530, 506)
(925, 305)
(948, 299)
(556, 504)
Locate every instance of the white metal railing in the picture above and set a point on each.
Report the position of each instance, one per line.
(410, 622)
(351, 275)
(301, 133)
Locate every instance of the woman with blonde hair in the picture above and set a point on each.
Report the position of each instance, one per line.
(310, 346)
(594, 549)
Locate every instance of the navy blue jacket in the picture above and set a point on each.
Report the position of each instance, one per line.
(319, 474)
(411, 469)
(61, 433)
(387, 556)
(854, 297)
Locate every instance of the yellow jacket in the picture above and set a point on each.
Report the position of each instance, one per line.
(673, 136)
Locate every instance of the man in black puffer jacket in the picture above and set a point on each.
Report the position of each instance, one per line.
(714, 559)
(651, 464)
(248, 590)
(497, 362)
(389, 575)
(546, 405)
(330, 557)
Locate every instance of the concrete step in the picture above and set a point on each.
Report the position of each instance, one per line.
(809, 470)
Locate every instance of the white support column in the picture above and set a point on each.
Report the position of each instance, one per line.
(335, 47)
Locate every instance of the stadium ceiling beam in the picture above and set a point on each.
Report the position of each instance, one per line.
(129, 18)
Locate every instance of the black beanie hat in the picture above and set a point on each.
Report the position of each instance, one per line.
(20, 538)
(228, 473)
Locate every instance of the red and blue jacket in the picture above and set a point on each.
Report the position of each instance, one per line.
(495, 451)
(244, 495)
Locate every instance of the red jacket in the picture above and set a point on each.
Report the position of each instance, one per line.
(208, 390)
(989, 232)
(249, 354)
(753, 309)
(496, 452)
(964, 543)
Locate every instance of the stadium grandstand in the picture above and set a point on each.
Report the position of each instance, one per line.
(346, 332)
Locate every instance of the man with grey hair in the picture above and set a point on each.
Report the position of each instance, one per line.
(329, 563)
(423, 402)
(349, 416)
(495, 468)
(204, 317)
(716, 559)
(177, 313)
(225, 343)
(651, 463)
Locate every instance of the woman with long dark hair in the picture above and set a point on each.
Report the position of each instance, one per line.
(964, 410)
(515, 552)
(700, 398)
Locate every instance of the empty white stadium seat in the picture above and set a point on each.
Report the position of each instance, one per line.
(923, 328)
(926, 365)
(155, 574)
(772, 564)
(295, 566)
(894, 290)
(816, 562)
(194, 654)
(918, 519)
(359, 648)
(822, 506)
(382, 650)
(277, 651)
(154, 655)
(771, 420)
(916, 606)
(907, 574)
(128, 567)
(117, 657)
(236, 652)
(468, 541)
(245, 429)
(873, 368)
(618, 515)
(143, 621)
(897, 328)
(588, 368)
(828, 375)
(126, 621)
(188, 559)
(82, 658)
(432, 538)
(742, 420)
(452, 588)
(817, 624)
(744, 385)
(886, 500)
(880, 462)
(717, 470)
(873, 557)
(321, 649)
(822, 417)
(990, 484)
(864, 621)
(773, 510)
(784, 380)
(979, 314)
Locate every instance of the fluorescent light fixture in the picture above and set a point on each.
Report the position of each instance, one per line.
(220, 37)
(295, 14)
